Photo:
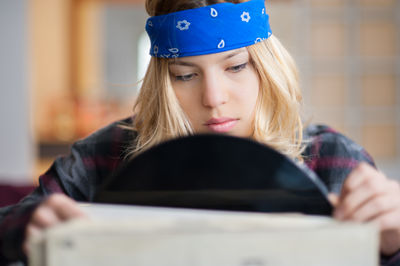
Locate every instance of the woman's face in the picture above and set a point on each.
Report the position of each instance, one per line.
(218, 92)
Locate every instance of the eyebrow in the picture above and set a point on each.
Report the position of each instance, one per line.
(184, 63)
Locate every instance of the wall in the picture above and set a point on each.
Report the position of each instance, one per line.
(348, 53)
(16, 148)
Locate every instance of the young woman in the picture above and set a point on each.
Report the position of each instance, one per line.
(215, 68)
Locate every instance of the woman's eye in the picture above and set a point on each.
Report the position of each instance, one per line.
(237, 68)
(185, 77)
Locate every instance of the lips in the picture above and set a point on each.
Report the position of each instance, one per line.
(222, 124)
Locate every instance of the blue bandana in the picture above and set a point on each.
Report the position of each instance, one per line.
(206, 30)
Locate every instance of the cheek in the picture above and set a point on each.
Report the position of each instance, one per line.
(249, 93)
(187, 100)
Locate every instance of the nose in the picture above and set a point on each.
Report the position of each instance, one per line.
(214, 92)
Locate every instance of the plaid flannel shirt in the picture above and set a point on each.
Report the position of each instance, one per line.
(329, 154)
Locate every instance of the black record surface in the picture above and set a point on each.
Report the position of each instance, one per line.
(216, 172)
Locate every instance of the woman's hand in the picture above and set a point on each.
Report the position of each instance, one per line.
(369, 196)
(54, 210)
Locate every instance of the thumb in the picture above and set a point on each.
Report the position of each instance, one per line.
(333, 199)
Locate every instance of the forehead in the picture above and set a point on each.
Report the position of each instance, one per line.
(216, 57)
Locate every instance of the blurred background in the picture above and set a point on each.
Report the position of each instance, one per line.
(69, 67)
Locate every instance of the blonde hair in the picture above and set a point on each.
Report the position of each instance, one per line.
(277, 122)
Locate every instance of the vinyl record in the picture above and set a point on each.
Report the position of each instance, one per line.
(216, 172)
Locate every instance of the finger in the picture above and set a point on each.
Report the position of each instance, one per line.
(388, 221)
(30, 231)
(357, 177)
(333, 199)
(64, 207)
(44, 216)
(366, 191)
(377, 206)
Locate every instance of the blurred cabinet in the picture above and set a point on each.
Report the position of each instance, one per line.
(84, 65)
